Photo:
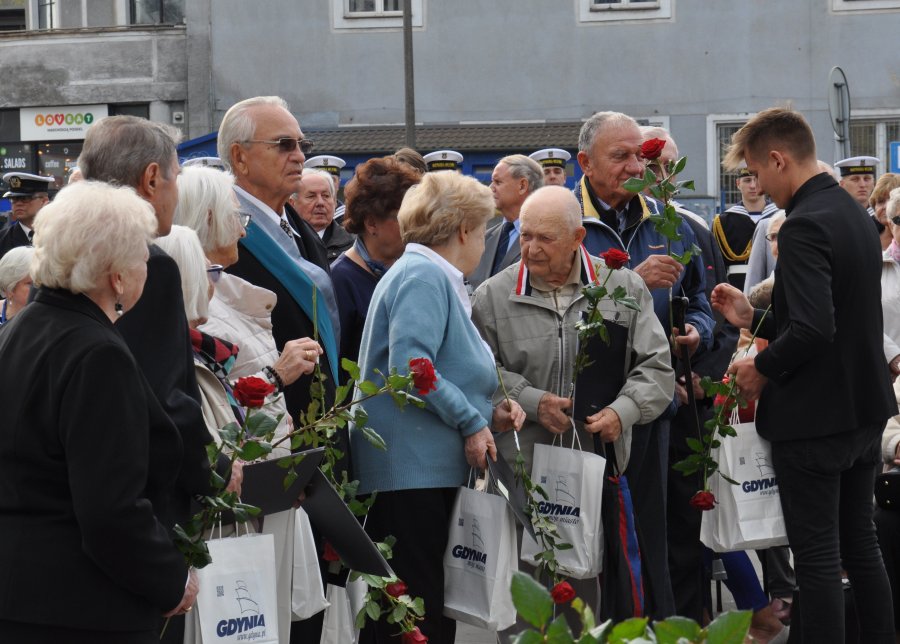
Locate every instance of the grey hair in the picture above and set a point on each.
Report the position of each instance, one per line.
(117, 149)
(777, 218)
(183, 245)
(238, 126)
(656, 132)
(598, 122)
(308, 172)
(523, 167)
(91, 229)
(14, 268)
(206, 204)
(893, 205)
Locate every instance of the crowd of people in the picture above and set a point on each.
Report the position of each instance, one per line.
(137, 295)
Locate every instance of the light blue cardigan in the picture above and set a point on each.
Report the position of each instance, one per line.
(415, 313)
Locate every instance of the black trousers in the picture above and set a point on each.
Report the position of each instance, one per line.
(826, 487)
(887, 524)
(42, 634)
(418, 519)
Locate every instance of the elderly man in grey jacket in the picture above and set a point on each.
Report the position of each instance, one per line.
(527, 314)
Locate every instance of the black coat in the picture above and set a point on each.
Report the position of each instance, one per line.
(826, 368)
(11, 237)
(80, 475)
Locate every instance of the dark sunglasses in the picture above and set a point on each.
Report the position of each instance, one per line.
(287, 144)
(214, 272)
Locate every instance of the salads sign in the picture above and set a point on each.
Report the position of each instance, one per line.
(58, 123)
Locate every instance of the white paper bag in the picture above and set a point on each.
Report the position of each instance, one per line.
(237, 601)
(573, 481)
(339, 623)
(307, 593)
(480, 561)
(748, 515)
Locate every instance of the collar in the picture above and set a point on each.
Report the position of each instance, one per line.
(587, 274)
(259, 204)
(25, 228)
(819, 182)
(77, 302)
(457, 279)
(590, 201)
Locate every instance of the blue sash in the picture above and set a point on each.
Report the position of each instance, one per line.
(297, 283)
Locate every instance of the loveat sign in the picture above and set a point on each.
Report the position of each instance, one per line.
(58, 123)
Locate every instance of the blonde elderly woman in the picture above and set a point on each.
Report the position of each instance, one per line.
(86, 453)
(15, 281)
(420, 309)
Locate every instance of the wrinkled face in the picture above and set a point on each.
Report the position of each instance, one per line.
(772, 236)
(509, 192)
(314, 202)
(25, 209)
(165, 199)
(18, 296)
(749, 187)
(614, 158)
(860, 187)
(263, 168)
(227, 255)
(548, 246)
(554, 175)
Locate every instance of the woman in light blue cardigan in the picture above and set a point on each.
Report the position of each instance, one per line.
(420, 309)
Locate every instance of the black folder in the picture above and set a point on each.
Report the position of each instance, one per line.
(263, 484)
(600, 382)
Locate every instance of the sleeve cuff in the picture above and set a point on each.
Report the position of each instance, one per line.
(629, 413)
(530, 398)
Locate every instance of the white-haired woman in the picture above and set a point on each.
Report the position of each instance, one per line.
(84, 557)
(239, 311)
(15, 281)
(420, 309)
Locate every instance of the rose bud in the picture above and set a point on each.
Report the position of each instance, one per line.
(703, 500)
(562, 592)
(396, 588)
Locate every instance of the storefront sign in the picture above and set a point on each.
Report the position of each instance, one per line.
(58, 123)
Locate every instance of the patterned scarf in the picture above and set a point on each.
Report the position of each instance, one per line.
(894, 251)
(218, 356)
(377, 268)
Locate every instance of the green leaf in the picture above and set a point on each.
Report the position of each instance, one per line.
(368, 387)
(252, 450)
(341, 393)
(683, 259)
(418, 606)
(558, 632)
(628, 630)
(679, 165)
(260, 424)
(685, 468)
(730, 628)
(729, 479)
(531, 599)
(673, 629)
(361, 615)
(695, 444)
(373, 610)
(635, 185)
(374, 438)
(649, 176)
(350, 367)
(289, 478)
(529, 637)
(657, 192)
(686, 185)
(397, 614)
(230, 432)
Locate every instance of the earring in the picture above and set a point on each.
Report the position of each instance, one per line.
(119, 308)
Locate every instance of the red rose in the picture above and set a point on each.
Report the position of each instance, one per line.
(652, 148)
(329, 553)
(615, 258)
(252, 391)
(562, 592)
(745, 414)
(415, 636)
(396, 589)
(703, 500)
(422, 372)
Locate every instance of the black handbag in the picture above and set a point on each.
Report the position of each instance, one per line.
(887, 489)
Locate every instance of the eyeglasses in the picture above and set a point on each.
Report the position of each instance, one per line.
(214, 272)
(244, 218)
(772, 237)
(287, 144)
(896, 220)
(15, 198)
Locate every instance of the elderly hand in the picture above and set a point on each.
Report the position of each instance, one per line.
(894, 366)
(659, 271)
(691, 338)
(298, 358)
(477, 444)
(747, 379)
(681, 390)
(508, 415)
(733, 304)
(190, 595)
(605, 422)
(237, 477)
(551, 413)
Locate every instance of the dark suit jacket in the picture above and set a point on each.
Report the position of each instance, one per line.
(825, 364)
(80, 442)
(11, 237)
(308, 243)
(156, 331)
(483, 270)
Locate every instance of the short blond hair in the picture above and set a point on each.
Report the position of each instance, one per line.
(777, 128)
(435, 208)
(90, 230)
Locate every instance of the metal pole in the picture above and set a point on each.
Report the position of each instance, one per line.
(408, 75)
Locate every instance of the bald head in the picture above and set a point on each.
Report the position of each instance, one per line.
(551, 233)
(554, 202)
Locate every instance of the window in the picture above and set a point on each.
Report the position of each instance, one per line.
(872, 136)
(374, 14)
(12, 15)
(720, 184)
(728, 192)
(864, 5)
(157, 12)
(141, 110)
(624, 10)
(47, 16)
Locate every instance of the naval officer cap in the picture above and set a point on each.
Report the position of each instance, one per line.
(857, 165)
(443, 160)
(208, 162)
(549, 157)
(22, 184)
(331, 165)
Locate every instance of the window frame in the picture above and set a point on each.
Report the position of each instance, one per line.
(714, 153)
(627, 11)
(343, 19)
(132, 13)
(843, 6)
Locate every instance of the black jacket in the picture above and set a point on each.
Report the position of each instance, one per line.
(85, 456)
(825, 364)
(12, 236)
